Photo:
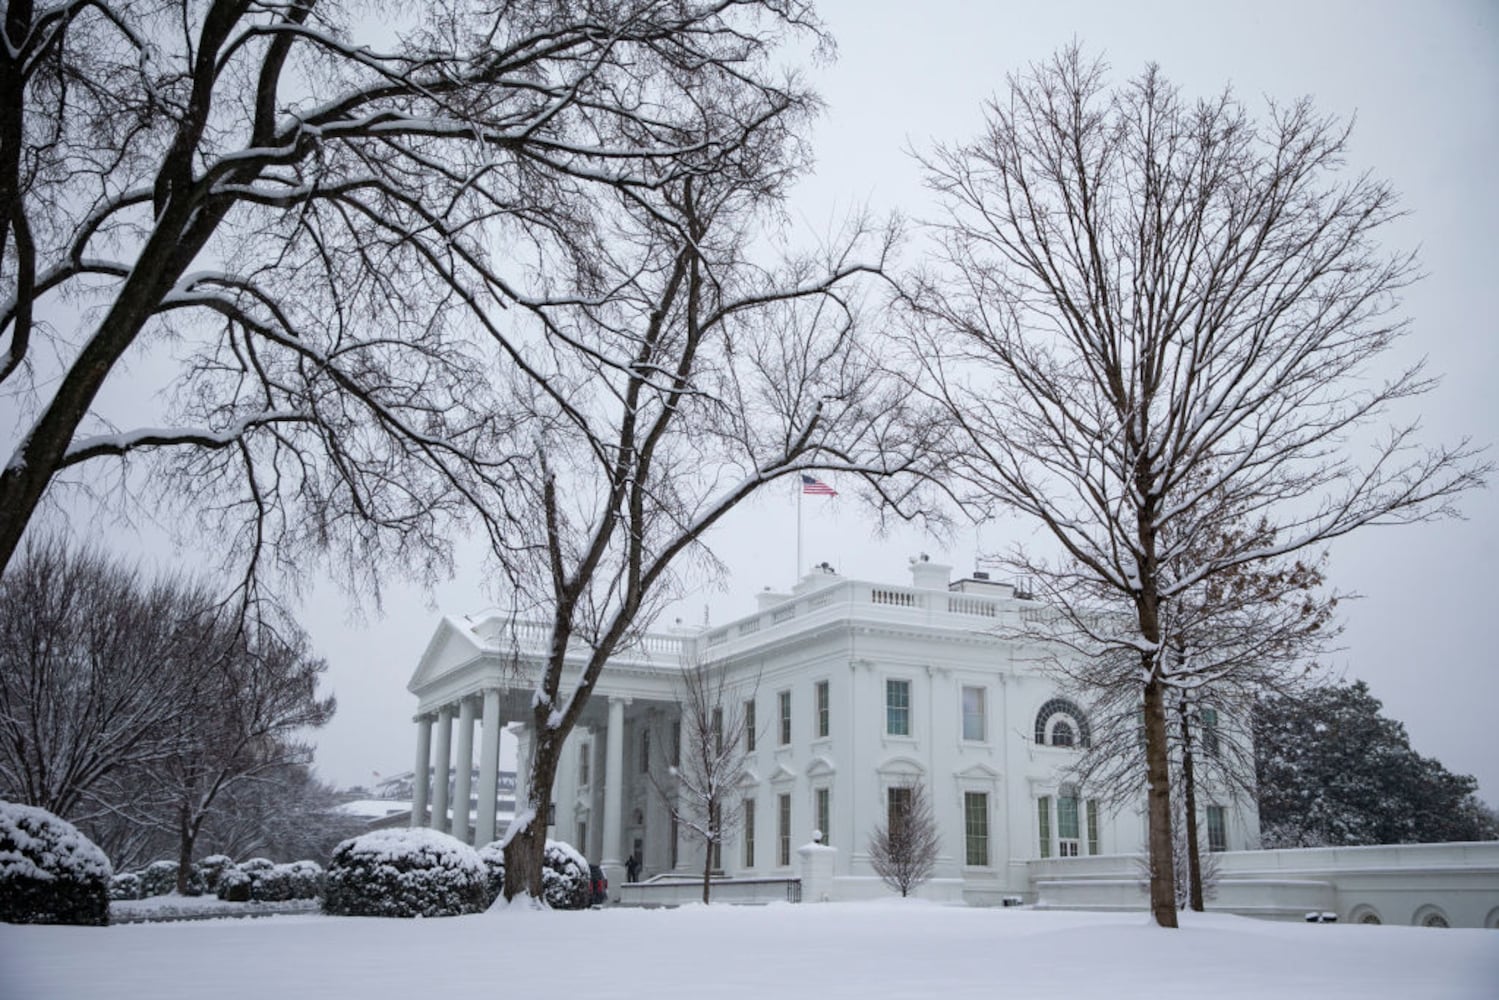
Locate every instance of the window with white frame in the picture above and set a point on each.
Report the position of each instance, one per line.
(715, 830)
(785, 701)
(584, 753)
(898, 707)
(823, 726)
(1069, 840)
(583, 835)
(676, 743)
(897, 805)
(975, 721)
(1210, 741)
(671, 847)
(1043, 814)
(747, 810)
(1092, 826)
(1217, 829)
(645, 751)
(976, 828)
(717, 726)
(783, 830)
(749, 725)
(822, 800)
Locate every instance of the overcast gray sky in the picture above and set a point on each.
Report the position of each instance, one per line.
(1423, 81)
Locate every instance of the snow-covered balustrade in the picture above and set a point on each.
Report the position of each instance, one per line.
(1436, 885)
(679, 889)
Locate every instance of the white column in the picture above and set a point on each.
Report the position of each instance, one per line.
(614, 781)
(489, 768)
(421, 780)
(440, 768)
(463, 784)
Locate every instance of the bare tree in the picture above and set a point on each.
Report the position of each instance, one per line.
(246, 714)
(334, 213)
(132, 704)
(701, 377)
(903, 850)
(1152, 311)
(93, 668)
(700, 789)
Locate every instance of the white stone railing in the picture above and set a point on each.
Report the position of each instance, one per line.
(679, 890)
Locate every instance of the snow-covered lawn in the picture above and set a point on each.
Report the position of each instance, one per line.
(865, 950)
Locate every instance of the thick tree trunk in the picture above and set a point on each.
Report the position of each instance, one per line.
(1189, 804)
(1158, 801)
(527, 846)
(187, 836)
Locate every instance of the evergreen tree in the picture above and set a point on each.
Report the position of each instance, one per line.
(1333, 771)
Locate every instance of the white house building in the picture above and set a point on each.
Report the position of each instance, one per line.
(856, 691)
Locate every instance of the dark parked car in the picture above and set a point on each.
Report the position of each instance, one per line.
(600, 883)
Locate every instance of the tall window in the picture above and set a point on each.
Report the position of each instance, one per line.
(783, 830)
(748, 812)
(717, 731)
(974, 718)
(785, 700)
(645, 751)
(1092, 826)
(749, 725)
(1067, 824)
(583, 755)
(976, 827)
(1210, 731)
(824, 813)
(1217, 829)
(583, 835)
(1043, 812)
(671, 847)
(822, 708)
(676, 743)
(898, 708)
(897, 804)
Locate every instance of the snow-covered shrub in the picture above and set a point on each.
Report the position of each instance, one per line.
(49, 872)
(305, 879)
(126, 885)
(212, 868)
(158, 878)
(564, 878)
(298, 880)
(234, 885)
(404, 873)
(492, 856)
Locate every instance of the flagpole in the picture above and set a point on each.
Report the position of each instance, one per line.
(797, 575)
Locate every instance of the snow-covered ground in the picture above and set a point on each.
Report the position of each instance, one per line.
(894, 949)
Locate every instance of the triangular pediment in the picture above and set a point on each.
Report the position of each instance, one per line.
(901, 766)
(747, 779)
(781, 774)
(452, 645)
(979, 772)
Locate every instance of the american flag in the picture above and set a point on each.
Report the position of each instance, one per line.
(816, 487)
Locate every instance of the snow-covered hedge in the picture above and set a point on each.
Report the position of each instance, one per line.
(126, 885)
(405, 873)
(234, 885)
(49, 872)
(212, 869)
(565, 884)
(492, 856)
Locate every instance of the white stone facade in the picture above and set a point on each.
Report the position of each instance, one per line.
(858, 688)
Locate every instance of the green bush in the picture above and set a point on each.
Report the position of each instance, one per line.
(404, 873)
(49, 872)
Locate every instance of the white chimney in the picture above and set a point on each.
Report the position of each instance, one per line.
(927, 575)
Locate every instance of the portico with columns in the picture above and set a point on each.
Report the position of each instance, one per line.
(482, 673)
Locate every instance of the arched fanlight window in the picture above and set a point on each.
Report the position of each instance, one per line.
(1060, 723)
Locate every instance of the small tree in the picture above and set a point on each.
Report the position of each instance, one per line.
(699, 789)
(903, 851)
